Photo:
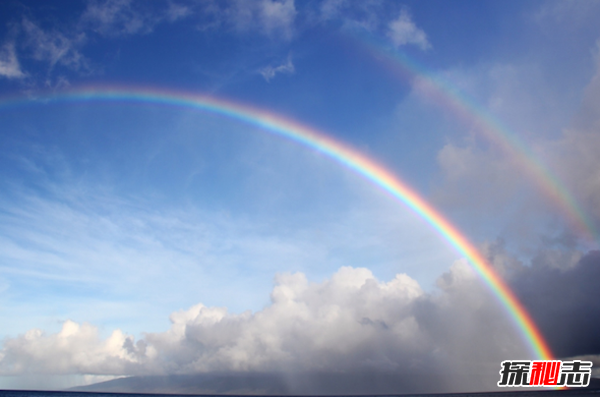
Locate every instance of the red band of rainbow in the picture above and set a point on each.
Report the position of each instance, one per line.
(458, 103)
(337, 151)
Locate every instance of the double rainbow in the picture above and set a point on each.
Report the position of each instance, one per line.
(338, 151)
(447, 96)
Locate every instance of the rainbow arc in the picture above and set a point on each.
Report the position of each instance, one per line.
(339, 152)
(449, 97)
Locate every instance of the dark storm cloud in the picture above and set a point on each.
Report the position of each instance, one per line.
(565, 303)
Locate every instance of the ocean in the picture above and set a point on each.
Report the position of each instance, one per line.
(520, 393)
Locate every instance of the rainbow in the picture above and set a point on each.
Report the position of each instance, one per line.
(337, 151)
(449, 97)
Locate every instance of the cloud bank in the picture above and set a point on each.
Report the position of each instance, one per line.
(348, 324)
(351, 325)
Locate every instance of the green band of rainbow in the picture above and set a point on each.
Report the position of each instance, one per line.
(449, 97)
(339, 152)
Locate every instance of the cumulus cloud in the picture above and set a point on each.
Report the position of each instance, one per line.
(269, 72)
(349, 323)
(9, 64)
(77, 348)
(391, 335)
(403, 31)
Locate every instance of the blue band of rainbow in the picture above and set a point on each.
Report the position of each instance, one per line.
(338, 151)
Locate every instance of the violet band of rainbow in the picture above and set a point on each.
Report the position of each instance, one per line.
(336, 150)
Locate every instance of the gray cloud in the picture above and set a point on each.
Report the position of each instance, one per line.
(478, 175)
(576, 155)
(466, 166)
(63, 44)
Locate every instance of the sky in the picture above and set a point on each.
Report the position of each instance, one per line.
(145, 237)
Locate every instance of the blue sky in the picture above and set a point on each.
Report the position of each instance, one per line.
(118, 216)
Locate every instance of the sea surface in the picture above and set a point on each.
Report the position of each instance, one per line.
(521, 393)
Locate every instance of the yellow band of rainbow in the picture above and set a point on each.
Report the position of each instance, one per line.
(338, 151)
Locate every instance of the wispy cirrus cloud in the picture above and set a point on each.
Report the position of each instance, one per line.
(54, 47)
(63, 44)
(177, 11)
(269, 72)
(373, 17)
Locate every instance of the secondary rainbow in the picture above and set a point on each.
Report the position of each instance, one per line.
(339, 152)
(449, 97)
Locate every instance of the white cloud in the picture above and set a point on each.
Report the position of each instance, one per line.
(115, 18)
(177, 11)
(363, 15)
(484, 170)
(274, 18)
(9, 64)
(330, 9)
(77, 348)
(403, 31)
(54, 47)
(349, 322)
(269, 72)
(119, 17)
(566, 12)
